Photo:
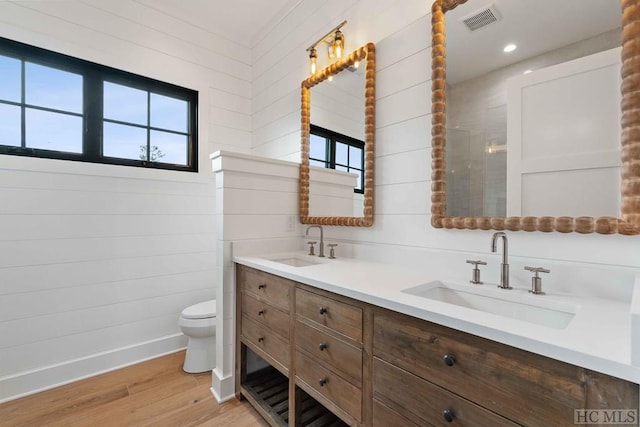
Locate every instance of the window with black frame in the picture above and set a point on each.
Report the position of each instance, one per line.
(60, 107)
(329, 149)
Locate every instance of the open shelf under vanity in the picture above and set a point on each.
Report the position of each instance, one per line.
(268, 390)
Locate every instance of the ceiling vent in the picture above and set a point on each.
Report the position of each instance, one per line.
(481, 18)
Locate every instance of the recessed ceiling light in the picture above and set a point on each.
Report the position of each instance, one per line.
(527, 71)
(509, 48)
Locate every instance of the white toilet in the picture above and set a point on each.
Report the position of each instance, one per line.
(198, 322)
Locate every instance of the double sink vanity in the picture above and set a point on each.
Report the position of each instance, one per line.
(359, 343)
(350, 342)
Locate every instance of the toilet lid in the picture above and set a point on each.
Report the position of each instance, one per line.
(201, 310)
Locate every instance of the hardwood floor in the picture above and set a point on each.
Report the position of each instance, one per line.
(153, 393)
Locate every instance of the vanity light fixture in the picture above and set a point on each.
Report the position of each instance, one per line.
(509, 48)
(335, 46)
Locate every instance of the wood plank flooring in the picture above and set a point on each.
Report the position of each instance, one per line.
(153, 393)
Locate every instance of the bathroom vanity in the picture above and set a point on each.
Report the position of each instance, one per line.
(371, 360)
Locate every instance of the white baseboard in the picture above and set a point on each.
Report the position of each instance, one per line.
(30, 382)
(223, 388)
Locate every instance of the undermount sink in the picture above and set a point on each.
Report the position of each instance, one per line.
(299, 261)
(541, 311)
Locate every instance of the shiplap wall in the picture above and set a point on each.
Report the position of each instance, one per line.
(97, 261)
(401, 31)
(257, 209)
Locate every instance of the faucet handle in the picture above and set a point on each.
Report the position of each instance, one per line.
(475, 273)
(332, 252)
(536, 281)
(312, 250)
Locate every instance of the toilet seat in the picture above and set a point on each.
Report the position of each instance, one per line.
(203, 310)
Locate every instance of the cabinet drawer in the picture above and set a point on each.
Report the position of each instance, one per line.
(522, 386)
(383, 416)
(338, 316)
(425, 402)
(271, 317)
(330, 385)
(265, 286)
(342, 358)
(265, 340)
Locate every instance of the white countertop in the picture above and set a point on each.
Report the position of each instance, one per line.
(597, 338)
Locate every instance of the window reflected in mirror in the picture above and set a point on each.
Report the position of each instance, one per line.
(338, 113)
(332, 150)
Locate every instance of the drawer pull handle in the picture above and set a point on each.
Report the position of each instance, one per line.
(261, 313)
(449, 359)
(322, 346)
(261, 339)
(323, 381)
(323, 310)
(448, 415)
(262, 286)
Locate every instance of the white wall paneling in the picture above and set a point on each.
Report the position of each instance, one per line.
(97, 261)
(257, 200)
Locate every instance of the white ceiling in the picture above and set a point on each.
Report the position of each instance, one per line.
(238, 20)
(536, 26)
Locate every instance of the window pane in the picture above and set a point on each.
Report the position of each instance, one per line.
(341, 153)
(125, 104)
(169, 113)
(317, 163)
(11, 81)
(52, 88)
(124, 142)
(355, 157)
(169, 148)
(10, 125)
(53, 131)
(342, 168)
(317, 147)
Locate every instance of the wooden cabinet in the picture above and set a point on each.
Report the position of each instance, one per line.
(342, 357)
(335, 315)
(425, 403)
(329, 351)
(514, 385)
(263, 307)
(265, 324)
(269, 288)
(271, 317)
(374, 367)
(328, 387)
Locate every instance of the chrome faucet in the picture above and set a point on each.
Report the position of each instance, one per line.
(504, 267)
(321, 248)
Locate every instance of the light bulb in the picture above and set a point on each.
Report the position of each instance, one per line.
(313, 57)
(331, 50)
(338, 41)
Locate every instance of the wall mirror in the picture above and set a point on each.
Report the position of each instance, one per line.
(530, 137)
(337, 137)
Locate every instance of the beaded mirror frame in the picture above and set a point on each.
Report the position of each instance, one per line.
(628, 223)
(367, 55)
